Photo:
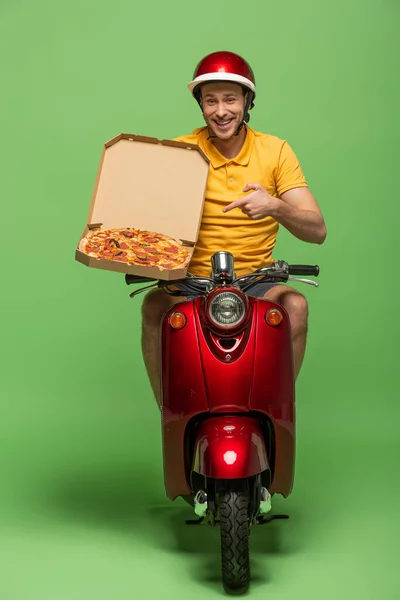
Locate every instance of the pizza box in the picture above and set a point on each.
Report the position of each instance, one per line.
(148, 184)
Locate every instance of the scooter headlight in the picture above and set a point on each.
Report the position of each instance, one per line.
(227, 310)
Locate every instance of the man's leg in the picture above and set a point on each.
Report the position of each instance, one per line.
(155, 305)
(296, 305)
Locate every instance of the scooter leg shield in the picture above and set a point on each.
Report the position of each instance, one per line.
(230, 447)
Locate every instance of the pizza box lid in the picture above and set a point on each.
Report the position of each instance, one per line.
(150, 184)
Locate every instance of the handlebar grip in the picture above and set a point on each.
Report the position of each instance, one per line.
(129, 279)
(312, 270)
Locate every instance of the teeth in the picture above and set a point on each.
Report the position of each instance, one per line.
(223, 122)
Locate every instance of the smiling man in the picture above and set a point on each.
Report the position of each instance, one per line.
(255, 184)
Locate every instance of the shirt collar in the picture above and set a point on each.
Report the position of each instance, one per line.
(217, 159)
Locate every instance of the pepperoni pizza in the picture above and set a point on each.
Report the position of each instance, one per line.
(135, 247)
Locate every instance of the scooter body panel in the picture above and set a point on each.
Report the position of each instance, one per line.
(199, 381)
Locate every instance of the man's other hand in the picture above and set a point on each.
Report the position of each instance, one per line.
(257, 205)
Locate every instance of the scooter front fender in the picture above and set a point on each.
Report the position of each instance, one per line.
(230, 447)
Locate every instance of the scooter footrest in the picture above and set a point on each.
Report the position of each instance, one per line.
(194, 521)
(264, 520)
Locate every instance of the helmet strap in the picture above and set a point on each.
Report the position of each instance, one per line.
(246, 116)
(197, 95)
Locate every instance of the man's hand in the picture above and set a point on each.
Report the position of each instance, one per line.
(297, 210)
(257, 205)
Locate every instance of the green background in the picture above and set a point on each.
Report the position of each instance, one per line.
(83, 509)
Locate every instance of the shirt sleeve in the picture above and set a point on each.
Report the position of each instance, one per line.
(289, 174)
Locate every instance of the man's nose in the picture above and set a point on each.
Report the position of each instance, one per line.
(221, 109)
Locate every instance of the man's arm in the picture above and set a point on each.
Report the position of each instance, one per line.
(300, 214)
(297, 210)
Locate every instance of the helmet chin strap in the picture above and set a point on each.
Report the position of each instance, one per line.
(238, 130)
(246, 116)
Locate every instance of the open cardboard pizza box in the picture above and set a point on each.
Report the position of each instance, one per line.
(148, 184)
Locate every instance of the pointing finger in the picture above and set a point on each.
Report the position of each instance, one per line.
(236, 204)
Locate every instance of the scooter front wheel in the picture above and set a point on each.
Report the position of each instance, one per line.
(234, 526)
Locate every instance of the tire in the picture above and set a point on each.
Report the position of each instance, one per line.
(234, 526)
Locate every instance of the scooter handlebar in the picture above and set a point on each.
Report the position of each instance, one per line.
(129, 279)
(304, 270)
(272, 272)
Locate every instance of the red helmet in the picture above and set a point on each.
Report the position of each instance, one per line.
(223, 66)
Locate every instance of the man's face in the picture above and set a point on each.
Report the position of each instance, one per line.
(223, 107)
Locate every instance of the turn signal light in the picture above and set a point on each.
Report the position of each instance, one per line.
(177, 320)
(273, 317)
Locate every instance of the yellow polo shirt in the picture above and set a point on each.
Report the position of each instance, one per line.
(263, 159)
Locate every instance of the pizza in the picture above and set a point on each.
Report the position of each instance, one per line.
(135, 247)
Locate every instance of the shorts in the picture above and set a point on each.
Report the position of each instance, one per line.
(257, 291)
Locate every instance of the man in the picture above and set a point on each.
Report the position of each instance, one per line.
(255, 184)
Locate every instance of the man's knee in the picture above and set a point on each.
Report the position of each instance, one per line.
(297, 307)
(293, 302)
(151, 307)
(155, 305)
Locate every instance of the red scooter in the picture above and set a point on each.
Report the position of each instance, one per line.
(228, 402)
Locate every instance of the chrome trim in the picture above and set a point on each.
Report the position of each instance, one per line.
(222, 267)
(265, 502)
(309, 281)
(217, 298)
(200, 503)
